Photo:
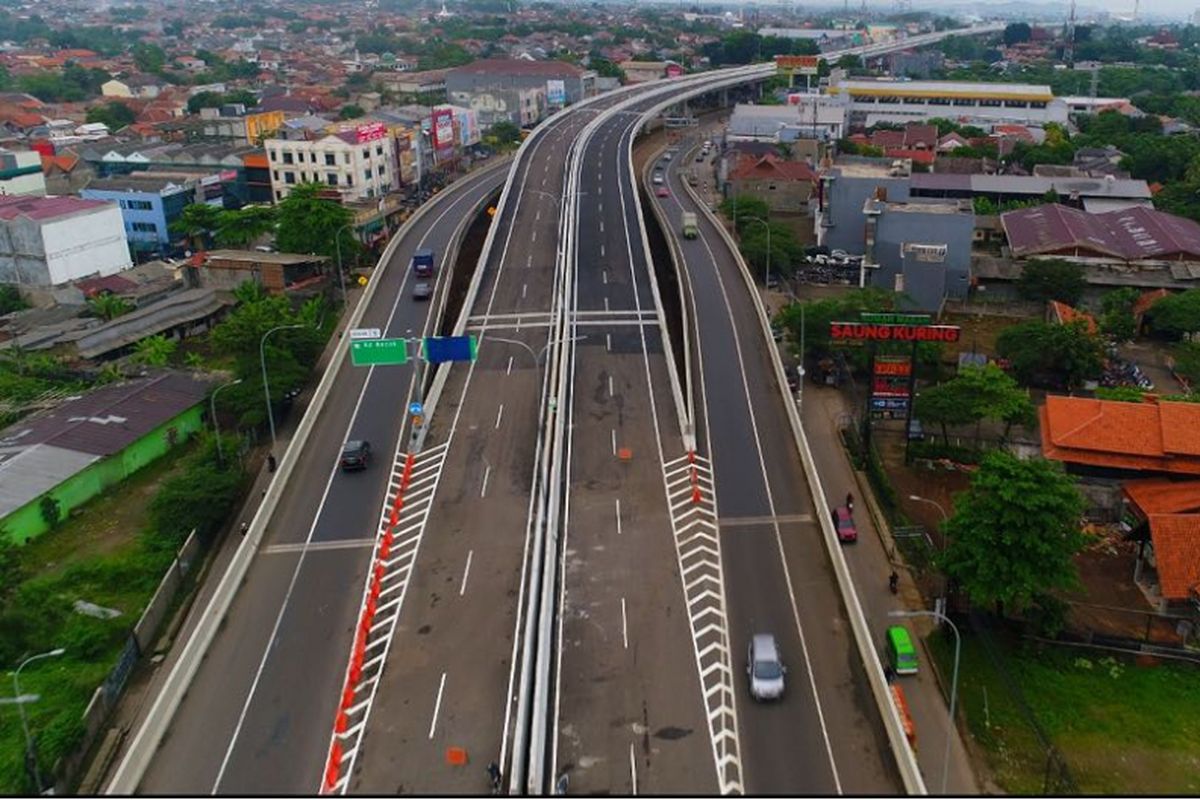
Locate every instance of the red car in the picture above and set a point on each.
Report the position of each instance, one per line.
(843, 523)
(662, 191)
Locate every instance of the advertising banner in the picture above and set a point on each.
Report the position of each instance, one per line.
(556, 93)
(370, 132)
(443, 128)
(796, 65)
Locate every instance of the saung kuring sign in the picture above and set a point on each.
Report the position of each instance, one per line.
(871, 332)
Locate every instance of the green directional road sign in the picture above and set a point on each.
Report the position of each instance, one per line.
(378, 352)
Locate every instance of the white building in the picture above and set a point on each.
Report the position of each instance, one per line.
(360, 163)
(890, 100)
(48, 241)
(21, 173)
(787, 123)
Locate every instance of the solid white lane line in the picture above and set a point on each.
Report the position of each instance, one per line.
(610, 386)
(600, 208)
(499, 414)
(618, 517)
(437, 706)
(624, 625)
(632, 769)
(486, 472)
(466, 572)
(509, 370)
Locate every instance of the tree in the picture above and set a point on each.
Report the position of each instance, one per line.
(109, 306)
(113, 114)
(817, 314)
(244, 97)
(1046, 354)
(743, 207)
(1014, 533)
(200, 499)
(148, 57)
(10, 300)
(1177, 314)
(1117, 321)
(309, 224)
(975, 394)
(155, 351)
(351, 111)
(503, 134)
(204, 99)
(1016, 33)
(241, 227)
(1052, 279)
(197, 221)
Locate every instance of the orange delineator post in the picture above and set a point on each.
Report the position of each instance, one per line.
(910, 728)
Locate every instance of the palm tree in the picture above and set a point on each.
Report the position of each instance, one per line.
(109, 306)
(197, 222)
(240, 228)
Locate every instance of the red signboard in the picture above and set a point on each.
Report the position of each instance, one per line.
(674, 70)
(867, 332)
(370, 132)
(893, 368)
(443, 128)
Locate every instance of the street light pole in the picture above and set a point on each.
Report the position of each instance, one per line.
(537, 355)
(767, 276)
(953, 680)
(29, 748)
(262, 359)
(213, 412)
(917, 498)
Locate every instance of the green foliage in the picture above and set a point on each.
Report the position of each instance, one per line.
(742, 208)
(51, 509)
(351, 111)
(1187, 361)
(1056, 356)
(309, 224)
(198, 222)
(1176, 314)
(503, 135)
(1014, 533)
(10, 300)
(148, 57)
(113, 114)
(109, 306)
(1117, 320)
(852, 148)
(155, 351)
(745, 47)
(1048, 279)
(243, 226)
(206, 99)
(603, 67)
(987, 206)
(1120, 394)
(1016, 33)
(199, 498)
(976, 394)
(73, 84)
(243, 96)
(818, 314)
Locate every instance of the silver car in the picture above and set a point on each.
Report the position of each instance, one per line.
(764, 668)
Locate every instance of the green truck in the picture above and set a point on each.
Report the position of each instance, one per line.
(690, 231)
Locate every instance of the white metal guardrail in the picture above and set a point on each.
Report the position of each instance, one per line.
(154, 727)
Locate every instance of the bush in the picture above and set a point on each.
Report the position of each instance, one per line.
(201, 498)
(935, 450)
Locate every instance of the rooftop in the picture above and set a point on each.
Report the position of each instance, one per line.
(1129, 233)
(46, 208)
(1176, 540)
(494, 67)
(1164, 495)
(1152, 437)
(1015, 91)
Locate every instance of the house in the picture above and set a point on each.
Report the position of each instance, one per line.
(1060, 313)
(785, 186)
(645, 71)
(1131, 234)
(1117, 439)
(191, 63)
(1165, 512)
(277, 273)
(919, 249)
(47, 241)
(914, 136)
(149, 205)
(65, 172)
(952, 141)
(21, 173)
(178, 315)
(503, 88)
(140, 86)
(77, 450)
(846, 187)
(358, 164)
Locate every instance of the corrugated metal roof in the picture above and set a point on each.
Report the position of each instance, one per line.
(186, 306)
(1130, 233)
(27, 474)
(108, 419)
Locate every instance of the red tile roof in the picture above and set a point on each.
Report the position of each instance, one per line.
(1164, 495)
(771, 167)
(1064, 314)
(516, 66)
(1154, 437)
(1148, 299)
(45, 208)
(1176, 540)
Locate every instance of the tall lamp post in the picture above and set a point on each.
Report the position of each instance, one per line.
(262, 359)
(213, 413)
(30, 750)
(917, 498)
(761, 221)
(953, 680)
(337, 244)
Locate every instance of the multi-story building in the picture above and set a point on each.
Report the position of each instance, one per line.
(920, 249)
(510, 89)
(49, 241)
(232, 121)
(844, 190)
(151, 202)
(21, 173)
(360, 164)
(888, 100)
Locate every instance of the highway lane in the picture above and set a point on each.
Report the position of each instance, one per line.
(256, 717)
(629, 711)
(825, 736)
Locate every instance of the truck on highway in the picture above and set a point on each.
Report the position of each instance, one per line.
(690, 231)
(422, 263)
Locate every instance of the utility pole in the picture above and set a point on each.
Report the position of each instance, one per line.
(1069, 47)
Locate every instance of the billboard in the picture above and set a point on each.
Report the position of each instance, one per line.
(556, 93)
(797, 65)
(370, 132)
(674, 70)
(866, 332)
(443, 128)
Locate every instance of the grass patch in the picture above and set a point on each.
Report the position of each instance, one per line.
(107, 553)
(1122, 729)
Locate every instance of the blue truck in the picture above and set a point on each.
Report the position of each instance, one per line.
(422, 263)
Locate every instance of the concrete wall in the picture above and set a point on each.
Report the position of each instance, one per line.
(786, 196)
(843, 223)
(26, 522)
(925, 282)
(86, 244)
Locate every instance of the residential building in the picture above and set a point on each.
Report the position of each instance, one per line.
(1095, 105)
(47, 241)
(359, 164)
(1131, 234)
(88, 444)
(150, 203)
(1165, 512)
(233, 121)
(785, 186)
(887, 100)
(179, 315)
(788, 123)
(506, 88)
(1092, 194)
(419, 83)
(144, 87)
(21, 173)
(844, 190)
(918, 64)
(920, 249)
(277, 273)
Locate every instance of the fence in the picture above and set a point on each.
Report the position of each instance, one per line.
(141, 641)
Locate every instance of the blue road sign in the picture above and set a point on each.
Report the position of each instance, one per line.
(415, 408)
